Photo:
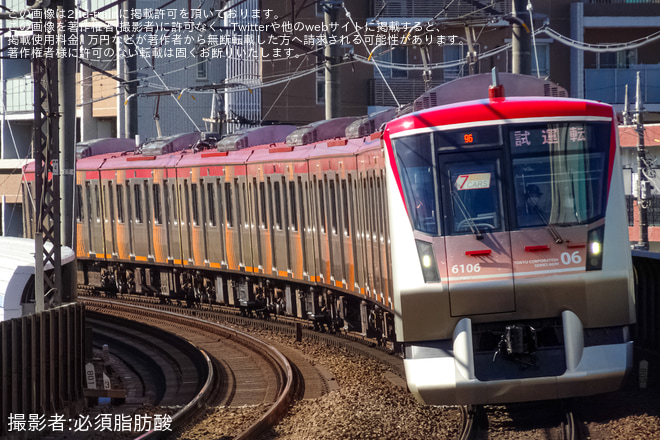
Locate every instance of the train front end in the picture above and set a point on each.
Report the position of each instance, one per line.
(511, 262)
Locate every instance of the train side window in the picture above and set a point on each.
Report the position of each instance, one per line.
(79, 204)
(262, 198)
(166, 202)
(147, 204)
(278, 206)
(185, 206)
(175, 204)
(158, 214)
(255, 202)
(229, 205)
(242, 208)
(292, 205)
(210, 193)
(237, 193)
(202, 199)
(97, 201)
(129, 212)
(302, 204)
(138, 203)
(110, 202)
(345, 206)
(309, 210)
(195, 204)
(322, 207)
(88, 198)
(333, 206)
(120, 203)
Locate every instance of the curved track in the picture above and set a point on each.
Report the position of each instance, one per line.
(250, 372)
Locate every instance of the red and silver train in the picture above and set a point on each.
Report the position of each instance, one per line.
(512, 273)
(472, 232)
(273, 219)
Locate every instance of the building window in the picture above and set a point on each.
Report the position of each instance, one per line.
(391, 55)
(617, 60)
(202, 67)
(542, 53)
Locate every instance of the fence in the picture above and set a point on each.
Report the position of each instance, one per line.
(42, 364)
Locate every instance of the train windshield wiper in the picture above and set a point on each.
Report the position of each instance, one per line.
(468, 218)
(551, 228)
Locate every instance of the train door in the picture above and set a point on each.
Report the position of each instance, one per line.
(477, 242)
(197, 233)
(96, 230)
(306, 227)
(109, 221)
(171, 199)
(160, 236)
(123, 235)
(297, 248)
(244, 212)
(281, 257)
(265, 247)
(214, 238)
(186, 223)
(141, 224)
(335, 233)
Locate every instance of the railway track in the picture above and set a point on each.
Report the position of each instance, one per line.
(248, 372)
(475, 421)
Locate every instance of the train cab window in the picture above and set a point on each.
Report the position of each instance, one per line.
(414, 158)
(195, 204)
(333, 206)
(292, 205)
(229, 205)
(158, 213)
(559, 172)
(277, 202)
(120, 203)
(474, 196)
(79, 204)
(210, 193)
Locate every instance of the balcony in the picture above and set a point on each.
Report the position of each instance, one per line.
(609, 85)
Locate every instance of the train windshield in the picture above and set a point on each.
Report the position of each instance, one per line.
(559, 172)
(414, 158)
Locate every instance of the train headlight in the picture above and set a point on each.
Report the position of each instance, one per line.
(427, 260)
(595, 248)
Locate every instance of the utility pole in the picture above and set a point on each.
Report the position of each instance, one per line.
(67, 127)
(331, 54)
(521, 42)
(643, 185)
(130, 76)
(45, 141)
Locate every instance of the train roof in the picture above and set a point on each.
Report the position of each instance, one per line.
(16, 268)
(498, 109)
